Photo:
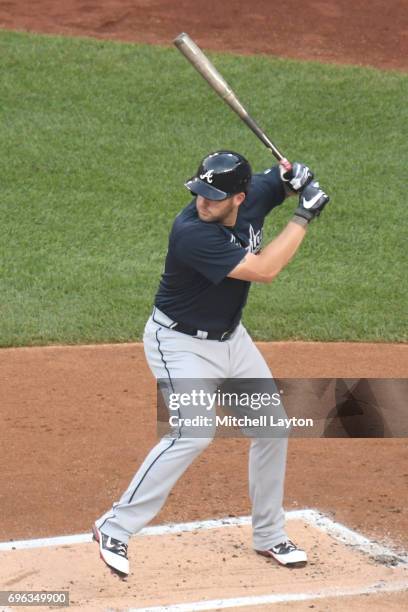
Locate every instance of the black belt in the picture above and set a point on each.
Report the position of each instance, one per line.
(198, 333)
(192, 331)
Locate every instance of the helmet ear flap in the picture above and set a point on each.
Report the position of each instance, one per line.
(220, 175)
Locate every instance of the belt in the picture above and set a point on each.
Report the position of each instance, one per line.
(162, 319)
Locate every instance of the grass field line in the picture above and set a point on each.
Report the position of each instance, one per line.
(334, 529)
(275, 598)
(139, 344)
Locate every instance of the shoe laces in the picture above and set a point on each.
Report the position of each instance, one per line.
(122, 549)
(286, 547)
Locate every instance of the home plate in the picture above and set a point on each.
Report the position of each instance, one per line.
(209, 565)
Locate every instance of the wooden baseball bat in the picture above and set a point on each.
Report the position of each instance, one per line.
(207, 70)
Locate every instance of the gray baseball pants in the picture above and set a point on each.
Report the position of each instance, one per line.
(171, 354)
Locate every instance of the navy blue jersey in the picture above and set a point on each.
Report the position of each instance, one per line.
(194, 288)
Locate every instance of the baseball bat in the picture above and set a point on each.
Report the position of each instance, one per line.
(208, 71)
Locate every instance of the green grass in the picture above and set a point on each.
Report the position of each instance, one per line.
(97, 139)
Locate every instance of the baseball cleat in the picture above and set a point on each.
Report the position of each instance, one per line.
(287, 554)
(113, 552)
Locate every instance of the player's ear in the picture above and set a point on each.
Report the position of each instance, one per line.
(239, 198)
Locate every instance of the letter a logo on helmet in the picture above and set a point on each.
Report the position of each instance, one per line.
(207, 176)
(221, 175)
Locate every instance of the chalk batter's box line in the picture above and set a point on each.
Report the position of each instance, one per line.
(259, 600)
(324, 523)
(336, 530)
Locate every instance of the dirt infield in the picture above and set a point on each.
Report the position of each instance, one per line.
(78, 421)
(345, 31)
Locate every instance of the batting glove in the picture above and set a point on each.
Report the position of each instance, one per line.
(312, 200)
(297, 178)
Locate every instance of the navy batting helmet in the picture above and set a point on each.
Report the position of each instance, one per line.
(221, 175)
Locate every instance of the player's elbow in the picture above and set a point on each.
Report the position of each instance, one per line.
(252, 269)
(266, 271)
(264, 276)
(269, 276)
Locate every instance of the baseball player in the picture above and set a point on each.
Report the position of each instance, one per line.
(195, 331)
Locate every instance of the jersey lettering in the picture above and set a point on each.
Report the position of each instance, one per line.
(254, 240)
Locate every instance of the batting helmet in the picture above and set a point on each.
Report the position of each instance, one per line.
(221, 175)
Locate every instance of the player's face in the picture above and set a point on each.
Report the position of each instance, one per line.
(219, 211)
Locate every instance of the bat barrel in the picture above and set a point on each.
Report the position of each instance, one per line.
(202, 64)
(207, 70)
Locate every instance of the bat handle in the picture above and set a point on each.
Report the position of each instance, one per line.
(285, 163)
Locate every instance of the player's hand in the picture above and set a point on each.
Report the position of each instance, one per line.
(297, 178)
(312, 200)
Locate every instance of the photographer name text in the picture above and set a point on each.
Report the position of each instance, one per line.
(244, 421)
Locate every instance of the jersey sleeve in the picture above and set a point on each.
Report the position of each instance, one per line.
(267, 189)
(208, 250)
